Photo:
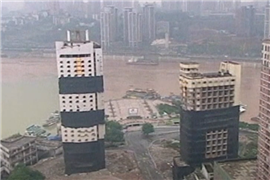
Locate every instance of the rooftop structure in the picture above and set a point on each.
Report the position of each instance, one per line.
(245, 169)
(17, 149)
(16, 141)
(209, 112)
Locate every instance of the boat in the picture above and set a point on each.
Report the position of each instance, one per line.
(141, 94)
(142, 61)
(242, 108)
(53, 119)
(36, 131)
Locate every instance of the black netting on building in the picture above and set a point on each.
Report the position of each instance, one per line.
(82, 119)
(84, 157)
(80, 85)
(193, 128)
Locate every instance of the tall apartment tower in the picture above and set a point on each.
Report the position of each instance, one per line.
(54, 7)
(80, 73)
(209, 113)
(264, 132)
(132, 27)
(245, 21)
(108, 26)
(119, 4)
(171, 5)
(149, 22)
(267, 21)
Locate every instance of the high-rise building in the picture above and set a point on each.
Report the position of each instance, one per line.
(95, 6)
(245, 21)
(54, 7)
(194, 7)
(132, 27)
(267, 21)
(108, 26)
(149, 22)
(209, 6)
(171, 5)
(264, 122)
(80, 73)
(119, 4)
(34, 6)
(209, 113)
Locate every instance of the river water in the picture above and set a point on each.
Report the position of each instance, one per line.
(30, 89)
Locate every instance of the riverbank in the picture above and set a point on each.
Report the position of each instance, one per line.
(30, 86)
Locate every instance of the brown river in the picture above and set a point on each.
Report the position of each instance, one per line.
(30, 89)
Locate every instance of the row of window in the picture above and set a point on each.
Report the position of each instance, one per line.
(77, 101)
(76, 96)
(79, 140)
(217, 148)
(74, 55)
(75, 66)
(215, 154)
(76, 61)
(90, 70)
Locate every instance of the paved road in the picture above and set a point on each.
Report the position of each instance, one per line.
(139, 145)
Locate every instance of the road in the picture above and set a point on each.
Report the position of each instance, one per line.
(137, 143)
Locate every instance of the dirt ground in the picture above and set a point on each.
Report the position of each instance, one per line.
(120, 165)
(163, 158)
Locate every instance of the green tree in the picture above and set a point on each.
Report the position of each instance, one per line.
(147, 128)
(114, 132)
(21, 172)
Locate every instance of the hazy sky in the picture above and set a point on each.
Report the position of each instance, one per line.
(18, 4)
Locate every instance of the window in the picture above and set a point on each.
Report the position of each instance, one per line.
(63, 101)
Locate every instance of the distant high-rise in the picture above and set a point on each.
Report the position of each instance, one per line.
(80, 79)
(132, 27)
(209, 6)
(194, 7)
(54, 7)
(171, 5)
(267, 21)
(209, 113)
(108, 26)
(35, 6)
(245, 21)
(149, 22)
(119, 4)
(94, 6)
(264, 112)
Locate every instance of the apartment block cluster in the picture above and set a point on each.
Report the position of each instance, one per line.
(17, 149)
(139, 25)
(22, 149)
